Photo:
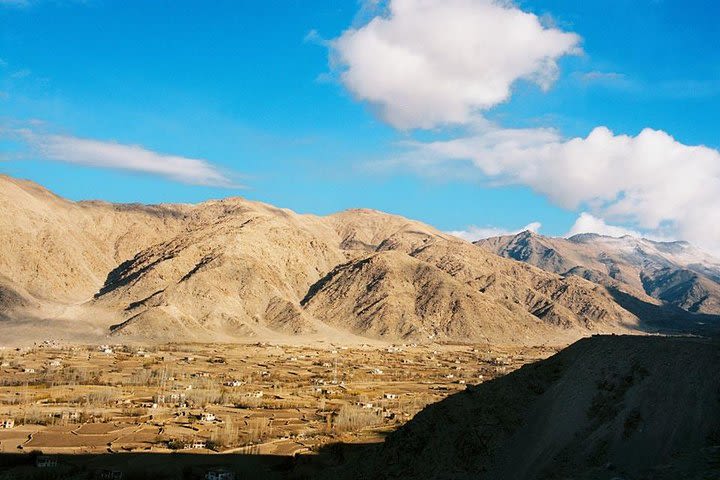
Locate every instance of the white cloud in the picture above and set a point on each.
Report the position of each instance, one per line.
(473, 232)
(425, 63)
(650, 181)
(115, 155)
(588, 223)
(433, 63)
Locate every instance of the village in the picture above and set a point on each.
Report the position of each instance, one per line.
(259, 399)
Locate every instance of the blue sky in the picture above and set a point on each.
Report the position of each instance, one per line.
(247, 89)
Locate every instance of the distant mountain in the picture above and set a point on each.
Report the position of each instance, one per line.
(675, 273)
(234, 269)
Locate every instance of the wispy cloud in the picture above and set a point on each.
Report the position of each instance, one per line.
(20, 74)
(114, 155)
(27, 3)
(673, 89)
(596, 76)
(14, 3)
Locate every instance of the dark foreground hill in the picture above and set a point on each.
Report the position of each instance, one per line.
(606, 407)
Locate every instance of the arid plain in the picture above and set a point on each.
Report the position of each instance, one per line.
(250, 399)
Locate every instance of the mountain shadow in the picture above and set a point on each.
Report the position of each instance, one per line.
(667, 319)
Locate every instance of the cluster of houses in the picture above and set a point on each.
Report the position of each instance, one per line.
(176, 398)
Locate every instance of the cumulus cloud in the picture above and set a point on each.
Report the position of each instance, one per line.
(95, 153)
(650, 180)
(588, 223)
(433, 63)
(424, 63)
(473, 232)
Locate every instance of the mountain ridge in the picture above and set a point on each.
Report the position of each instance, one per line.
(238, 270)
(674, 273)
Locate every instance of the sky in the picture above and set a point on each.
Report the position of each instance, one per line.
(478, 117)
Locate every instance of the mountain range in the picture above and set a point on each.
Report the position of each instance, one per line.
(668, 273)
(236, 270)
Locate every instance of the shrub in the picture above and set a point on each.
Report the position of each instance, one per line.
(351, 418)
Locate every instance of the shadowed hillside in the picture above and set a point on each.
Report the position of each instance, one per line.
(605, 407)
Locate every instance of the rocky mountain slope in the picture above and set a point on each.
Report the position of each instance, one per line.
(673, 273)
(605, 407)
(236, 269)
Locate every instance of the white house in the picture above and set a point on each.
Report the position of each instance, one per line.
(390, 396)
(196, 444)
(177, 397)
(7, 423)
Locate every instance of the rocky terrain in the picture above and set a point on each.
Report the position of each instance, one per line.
(605, 407)
(663, 273)
(236, 269)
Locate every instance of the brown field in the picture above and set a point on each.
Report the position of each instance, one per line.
(252, 399)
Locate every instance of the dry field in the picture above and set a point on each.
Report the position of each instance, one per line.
(208, 398)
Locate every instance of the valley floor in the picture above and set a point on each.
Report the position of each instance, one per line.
(261, 399)
(609, 406)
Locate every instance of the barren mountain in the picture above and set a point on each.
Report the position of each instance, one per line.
(236, 269)
(675, 273)
(605, 407)
(58, 250)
